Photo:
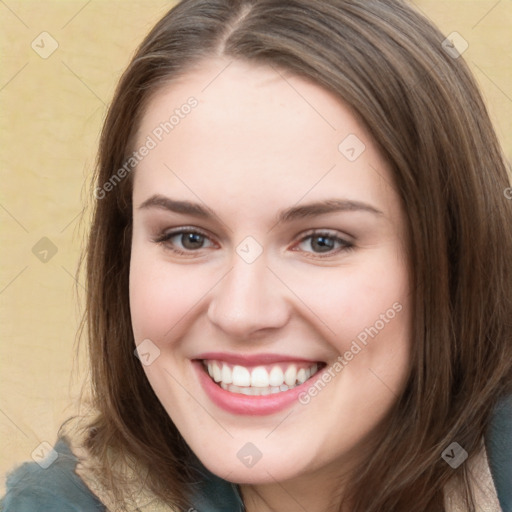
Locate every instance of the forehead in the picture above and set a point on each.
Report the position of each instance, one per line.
(254, 130)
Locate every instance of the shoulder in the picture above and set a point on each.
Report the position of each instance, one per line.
(49, 485)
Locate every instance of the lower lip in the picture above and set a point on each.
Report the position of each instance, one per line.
(236, 403)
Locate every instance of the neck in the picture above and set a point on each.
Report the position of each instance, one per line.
(316, 493)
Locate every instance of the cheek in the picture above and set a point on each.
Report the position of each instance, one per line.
(161, 295)
(347, 300)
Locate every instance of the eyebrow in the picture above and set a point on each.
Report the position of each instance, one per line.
(324, 207)
(186, 207)
(288, 215)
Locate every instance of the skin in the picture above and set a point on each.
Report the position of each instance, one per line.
(260, 142)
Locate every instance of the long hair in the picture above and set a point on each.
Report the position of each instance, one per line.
(422, 107)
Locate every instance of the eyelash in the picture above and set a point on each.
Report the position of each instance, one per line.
(344, 245)
(164, 239)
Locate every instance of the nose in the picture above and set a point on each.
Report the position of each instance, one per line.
(249, 300)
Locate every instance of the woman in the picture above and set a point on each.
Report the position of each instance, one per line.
(298, 271)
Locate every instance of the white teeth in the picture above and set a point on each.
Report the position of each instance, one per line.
(241, 376)
(302, 376)
(226, 374)
(259, 381)
(217, 377)
(290, 375)
(276, 377)
(259, 377)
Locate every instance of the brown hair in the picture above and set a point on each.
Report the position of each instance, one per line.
(423, 109)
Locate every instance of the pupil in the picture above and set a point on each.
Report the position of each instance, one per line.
(192, 241)
(322, 244)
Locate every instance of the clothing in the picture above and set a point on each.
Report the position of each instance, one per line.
(59, 488)
(68, 486)
(486, 499)
(499, 446)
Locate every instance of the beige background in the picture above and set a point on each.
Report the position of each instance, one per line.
(52, 110)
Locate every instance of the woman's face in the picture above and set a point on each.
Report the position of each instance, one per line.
(268, 284)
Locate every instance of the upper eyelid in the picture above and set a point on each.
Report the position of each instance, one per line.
(167, 233)
(320, 231)
(332, 233)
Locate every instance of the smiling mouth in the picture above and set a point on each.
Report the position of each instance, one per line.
(260, 380)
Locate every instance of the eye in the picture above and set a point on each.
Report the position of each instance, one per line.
(323, 243)
(185, 240)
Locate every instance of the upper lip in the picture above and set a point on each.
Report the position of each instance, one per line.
(252, 359)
